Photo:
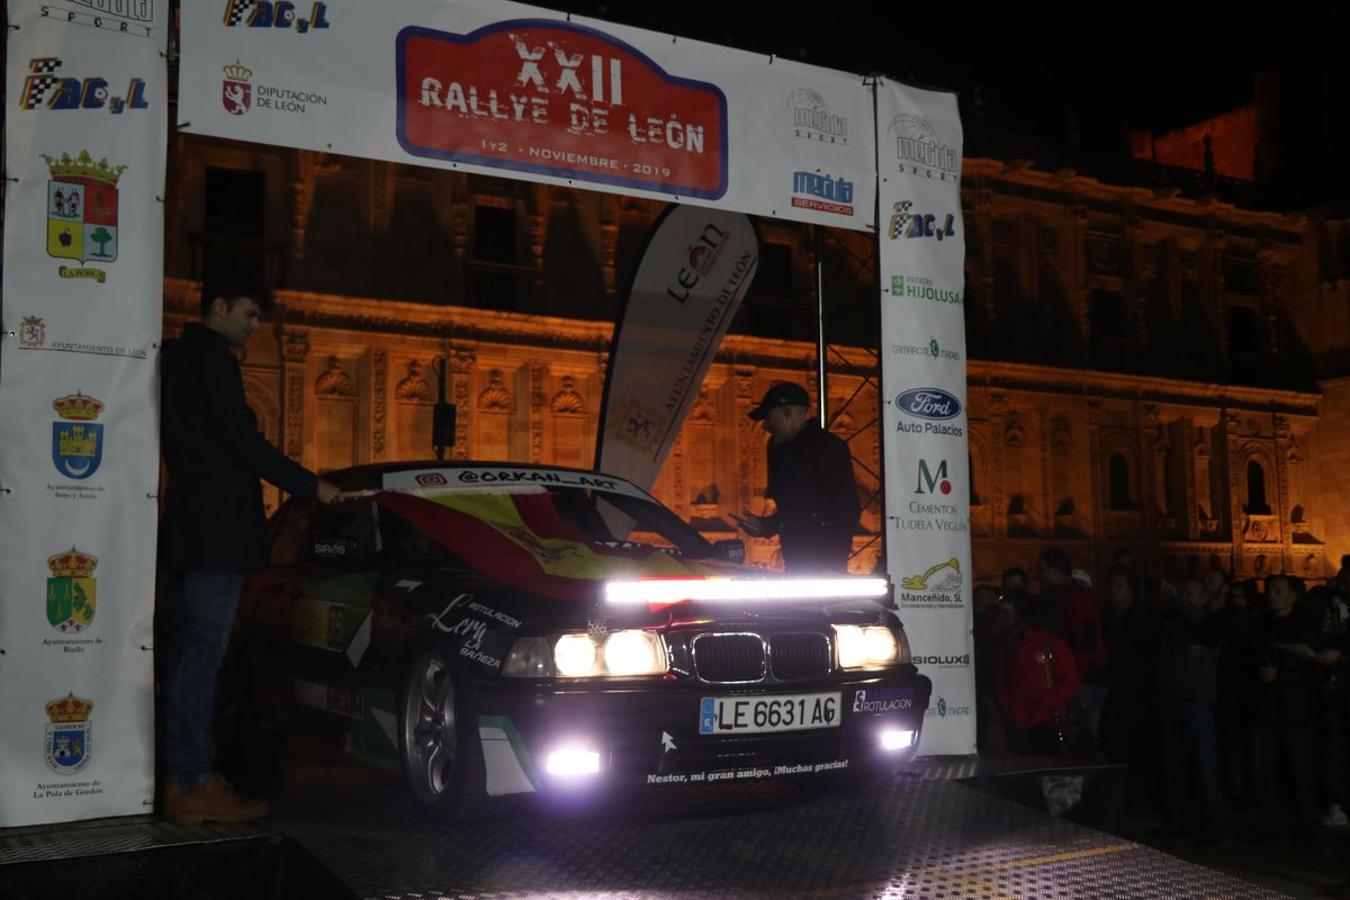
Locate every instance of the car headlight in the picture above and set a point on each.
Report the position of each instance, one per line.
(635, 653)
(574, 655)
(577, 655)
(866, 646)
(530, 657)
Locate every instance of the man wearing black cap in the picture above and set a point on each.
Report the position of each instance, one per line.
(810, 481)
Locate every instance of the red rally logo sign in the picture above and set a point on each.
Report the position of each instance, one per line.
(559, 99)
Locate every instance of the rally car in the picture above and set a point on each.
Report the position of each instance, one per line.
(492, 629)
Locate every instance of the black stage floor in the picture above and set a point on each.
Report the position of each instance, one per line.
(922, 836)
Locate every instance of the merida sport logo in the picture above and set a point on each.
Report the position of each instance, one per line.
(132, 17)
(812, 119)
(920, 151)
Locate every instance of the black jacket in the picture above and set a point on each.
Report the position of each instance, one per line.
(1292, 699)
(811, 481)
(213, 511)
(1188, 655)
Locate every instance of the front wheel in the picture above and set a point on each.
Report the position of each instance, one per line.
(438, 745)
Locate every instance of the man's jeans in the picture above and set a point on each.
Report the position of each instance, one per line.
(1189, 740)
(1300, 759)
(203, 608)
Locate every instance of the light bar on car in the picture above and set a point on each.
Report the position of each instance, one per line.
(677, 590)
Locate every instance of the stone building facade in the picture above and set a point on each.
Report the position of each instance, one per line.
(1146, 369)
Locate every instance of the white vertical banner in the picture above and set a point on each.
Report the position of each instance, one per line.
(85, 142)
(923, 375)
(688, 284)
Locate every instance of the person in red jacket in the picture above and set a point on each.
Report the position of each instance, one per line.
(1038, 680)
(1077, 617)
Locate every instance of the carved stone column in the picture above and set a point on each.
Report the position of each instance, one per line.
(295, 353)
(462, 361)
(379, 384)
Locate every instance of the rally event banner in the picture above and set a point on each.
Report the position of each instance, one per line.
(923, 376)
(85, 120)
(505, 89)
(697, 265)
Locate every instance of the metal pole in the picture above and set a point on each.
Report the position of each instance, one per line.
(822, 384)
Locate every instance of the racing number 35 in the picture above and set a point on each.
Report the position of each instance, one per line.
(751, 715)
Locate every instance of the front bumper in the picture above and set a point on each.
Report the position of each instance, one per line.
(644, 734)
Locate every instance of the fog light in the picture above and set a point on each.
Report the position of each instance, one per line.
(895, 739)
(572, 761)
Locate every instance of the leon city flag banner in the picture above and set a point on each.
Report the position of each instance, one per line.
(85, 133)
(688, 284)
(520, 540)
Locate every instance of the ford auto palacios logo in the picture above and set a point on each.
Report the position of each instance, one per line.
(928, 403)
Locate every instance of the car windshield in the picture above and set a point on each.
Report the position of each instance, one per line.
(653, 525)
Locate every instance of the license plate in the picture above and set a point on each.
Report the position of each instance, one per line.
(759, 715)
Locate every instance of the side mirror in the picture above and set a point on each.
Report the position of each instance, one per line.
(732, 551)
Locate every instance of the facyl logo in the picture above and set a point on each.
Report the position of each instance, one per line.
(45, 86)
(920, 151)
(906, 224)
(931, 481)
(812, 119)
(928, 403)
(279, 14)
(813, 190)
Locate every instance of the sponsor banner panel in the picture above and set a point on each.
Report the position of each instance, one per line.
(86, 90)
(508, 89)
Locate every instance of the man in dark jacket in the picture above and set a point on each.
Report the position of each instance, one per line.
(1188, 677)
(1285, 650)
(212, 535)
(810, 481)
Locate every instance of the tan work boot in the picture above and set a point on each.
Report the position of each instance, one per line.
(211, 801)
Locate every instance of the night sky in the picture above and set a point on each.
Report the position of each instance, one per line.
(1116, 66)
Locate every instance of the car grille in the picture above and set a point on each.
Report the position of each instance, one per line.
(799, 656)
(729, 657)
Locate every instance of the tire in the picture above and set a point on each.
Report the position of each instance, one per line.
(439, 752)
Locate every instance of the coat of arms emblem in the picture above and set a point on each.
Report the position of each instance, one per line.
(68, 738)
(32, 332)
(82, 209)
(70, 591)
(236, 92)
(77, 440)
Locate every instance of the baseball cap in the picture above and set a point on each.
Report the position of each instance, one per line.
(782, 393)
